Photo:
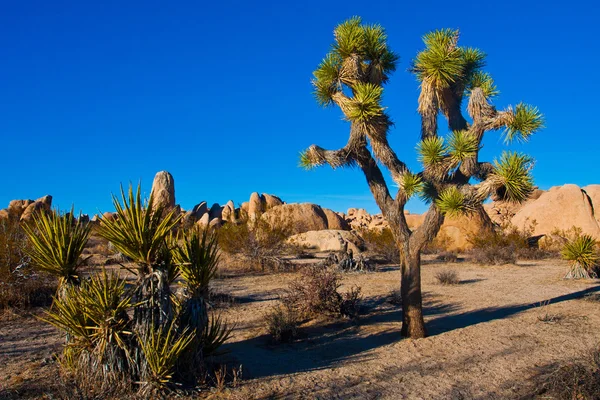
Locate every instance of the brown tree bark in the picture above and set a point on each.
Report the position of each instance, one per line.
(413, 325)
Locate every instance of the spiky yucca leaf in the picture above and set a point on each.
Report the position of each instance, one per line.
(162, 348)
(582, 251)
(327, 78)
(411, 184)
(428, 192)
(526, 121)
(484, 81)
(94, 315)
(442, 62)
(512, 174)
(381, 60)
(452, 202)
(305, 161)
(462, 145)
(139, 230)
(366, 103)
(349, 37)
(197, 259)
(473, 59)
(57, 242)
(216, 333)
(432, 151)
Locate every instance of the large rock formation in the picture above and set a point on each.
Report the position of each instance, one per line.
(502, 212)
(43, 204)
(328, 240)
(561, 207)
(299, 218)
(163, 190)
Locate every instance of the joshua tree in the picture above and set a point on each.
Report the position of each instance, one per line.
(453, 180)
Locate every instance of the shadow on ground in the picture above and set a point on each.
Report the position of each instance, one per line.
(325, 345)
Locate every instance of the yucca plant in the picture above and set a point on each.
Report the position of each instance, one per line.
(94, 316)
(453, 180)
(583, 255)
(57, 241)
(197, 258)
(140, 230)
(162, 348)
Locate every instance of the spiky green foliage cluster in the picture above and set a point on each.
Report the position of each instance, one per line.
(57, 241)
(513, 174)
(411, 184)
(443, 63)
(461, 146)
(452, 202)
(197, 259)
(483, 80)
(366, 103)
(582, 251)
(139, 230)
(162, 349)
(358, 50)
(526, 121)
(94, 315)
(217, 332)
(432, 151)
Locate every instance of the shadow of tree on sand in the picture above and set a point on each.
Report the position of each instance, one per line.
(325, 345)
(456, 321)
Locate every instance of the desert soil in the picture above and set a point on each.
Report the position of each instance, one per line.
(488, 337)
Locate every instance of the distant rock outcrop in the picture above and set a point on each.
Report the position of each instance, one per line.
(561, 207)
(163, 190)
(328, 240)
(303, 217)
(23, 210)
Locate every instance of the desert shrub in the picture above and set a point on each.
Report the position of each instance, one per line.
(143, 332)
(448, 277)
(260, 245)
(572, 380)
(315, 292)
(558, 238)
(282, 323)
(505, 246)
(21, 286)
(583, 255)
(447, 256)
(395, 297)
(381, 243)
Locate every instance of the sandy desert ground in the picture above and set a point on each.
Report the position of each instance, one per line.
(488, 338)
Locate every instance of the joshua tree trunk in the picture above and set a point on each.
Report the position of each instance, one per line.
(413, 325)
(153, 294)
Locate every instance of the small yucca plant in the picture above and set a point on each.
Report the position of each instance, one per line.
(57, 241)
(94, 316)
(582, 254)
(162, 348)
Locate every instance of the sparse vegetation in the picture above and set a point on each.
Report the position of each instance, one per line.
(447, 277)
(21, 286)
(258, 245)
(506, 245)
(282, 323)
(316, 292)
(447, 256)
(583, 254)
(578, 379)
(381, 243)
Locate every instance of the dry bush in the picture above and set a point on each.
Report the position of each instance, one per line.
(395, 297)
(506, 246)
(381, 243)
(259, 245)
(571, 380)
(315, 292)
(282, 323)
(21, 287)
(447, 256)
(448, 277)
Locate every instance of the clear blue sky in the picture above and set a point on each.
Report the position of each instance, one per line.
(98, 93)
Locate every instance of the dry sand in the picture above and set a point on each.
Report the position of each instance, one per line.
(486, 338)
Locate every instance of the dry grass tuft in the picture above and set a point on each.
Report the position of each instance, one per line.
(448, 277)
